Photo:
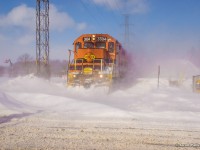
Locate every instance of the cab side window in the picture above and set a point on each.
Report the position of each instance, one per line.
(78, 45)
(111, 47)
(118, 48)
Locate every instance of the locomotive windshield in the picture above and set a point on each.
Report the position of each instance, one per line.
(97, 45)
(100, 45)
(88, 45)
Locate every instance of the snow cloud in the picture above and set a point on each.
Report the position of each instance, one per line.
(126, 6)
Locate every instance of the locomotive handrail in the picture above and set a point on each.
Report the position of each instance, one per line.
(81, 63)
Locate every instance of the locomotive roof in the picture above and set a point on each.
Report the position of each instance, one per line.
(96, 34)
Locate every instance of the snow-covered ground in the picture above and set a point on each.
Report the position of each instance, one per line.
(143, 99)
(29, 100)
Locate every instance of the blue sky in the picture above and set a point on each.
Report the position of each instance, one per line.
(158, 27)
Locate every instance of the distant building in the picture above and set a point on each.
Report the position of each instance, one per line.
(196, 84)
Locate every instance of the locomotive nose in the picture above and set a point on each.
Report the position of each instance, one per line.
(89, 57)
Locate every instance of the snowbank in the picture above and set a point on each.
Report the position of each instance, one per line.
(30, 94)
(142, 100)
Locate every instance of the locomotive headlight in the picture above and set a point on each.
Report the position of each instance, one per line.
(93, 37)
(101, 76)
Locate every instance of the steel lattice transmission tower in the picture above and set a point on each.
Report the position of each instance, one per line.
(42, 38)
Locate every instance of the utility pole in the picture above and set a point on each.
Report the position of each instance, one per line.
(158, 77)
(126, 31)
(42, 38)
(11, 67)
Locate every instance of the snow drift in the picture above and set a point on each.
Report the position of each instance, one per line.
(143, 99)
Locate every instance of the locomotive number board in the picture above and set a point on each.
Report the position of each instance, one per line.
(101, 39)
(87, 39)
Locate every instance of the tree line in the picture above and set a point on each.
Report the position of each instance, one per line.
(26, 64)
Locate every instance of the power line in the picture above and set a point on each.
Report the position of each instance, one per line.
(89, 12)
(99, 17)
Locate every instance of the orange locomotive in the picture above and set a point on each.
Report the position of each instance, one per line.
(99, 59)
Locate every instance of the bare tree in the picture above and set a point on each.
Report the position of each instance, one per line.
(2, 70)
(58, 68)
(25, 64)
(193, 56)
(10, 70)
